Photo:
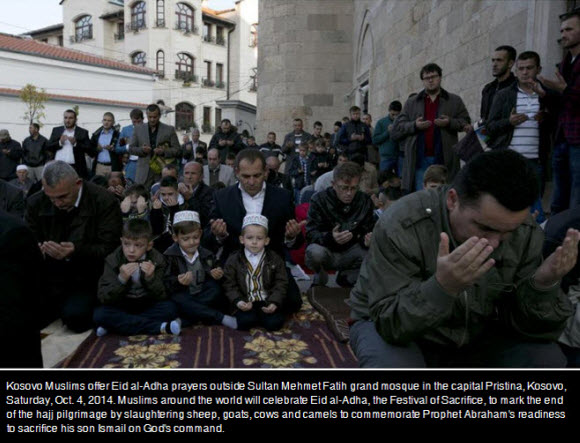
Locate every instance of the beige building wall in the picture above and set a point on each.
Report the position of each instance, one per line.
(74, 9)
(304, 63)
(318, 58)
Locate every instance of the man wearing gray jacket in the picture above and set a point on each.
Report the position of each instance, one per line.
(427, 129)
(153, 139)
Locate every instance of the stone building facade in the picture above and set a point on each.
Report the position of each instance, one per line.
(319, 58)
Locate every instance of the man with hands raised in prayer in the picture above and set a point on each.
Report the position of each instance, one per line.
(454, 276)
(253, 195)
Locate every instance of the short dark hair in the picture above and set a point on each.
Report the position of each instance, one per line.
(358, 158)
(251, 156)
(218, 185)
(573, 13)
(230, 156)
(298, 120)
(171, 167)
(154, 107)
(139, 190)
(317, 123)
(100, 180)
(136, 113)
(71, 111)
(435, 174)
(395, 106)
(272, 133)
(109, 114)
(136, 228)
(392, 193)
(346, 171)
(431, 67)
(338, 123)
(529, 55)
(353, 109)
(168, 182)
(186, 227)
(511, 52)
(116, 174)
(226, 120)
(36, 125)
(504, 174)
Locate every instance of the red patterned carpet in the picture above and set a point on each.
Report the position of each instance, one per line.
(304, 342)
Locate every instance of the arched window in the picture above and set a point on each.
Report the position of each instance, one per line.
(84, 28)
(138, 15)
(160, 13)
(139, 58)
(161, 63)
(184, 116)
(185, 68)
(184, 17)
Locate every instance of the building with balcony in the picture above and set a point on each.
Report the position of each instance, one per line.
(205, 61)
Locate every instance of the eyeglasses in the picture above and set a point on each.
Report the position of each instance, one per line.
(430, 77)
(346, 188)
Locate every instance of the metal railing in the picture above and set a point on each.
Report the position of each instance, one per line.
(187, 77)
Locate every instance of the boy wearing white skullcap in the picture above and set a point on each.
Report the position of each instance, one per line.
(256, 281)
(193, 273)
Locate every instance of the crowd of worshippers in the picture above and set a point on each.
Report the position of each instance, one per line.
(141, 234)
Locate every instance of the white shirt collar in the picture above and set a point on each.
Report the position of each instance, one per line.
(190, 260)
(253, 204)
(254, 259)
(78, 202)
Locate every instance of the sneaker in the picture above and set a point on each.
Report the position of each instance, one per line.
(175, 326)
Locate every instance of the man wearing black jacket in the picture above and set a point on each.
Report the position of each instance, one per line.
(70, 143)
(338, 232)
(502, 61)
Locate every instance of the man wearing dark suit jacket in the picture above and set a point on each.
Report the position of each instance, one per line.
(253, 195)
(70, 143)
(146, 142)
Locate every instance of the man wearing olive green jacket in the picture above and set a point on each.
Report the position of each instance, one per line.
(454, 277)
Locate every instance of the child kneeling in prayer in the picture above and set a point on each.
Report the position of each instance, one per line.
(131, 288)
(255, 278)
(192, 275)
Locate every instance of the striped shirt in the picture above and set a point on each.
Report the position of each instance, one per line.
(526, 137)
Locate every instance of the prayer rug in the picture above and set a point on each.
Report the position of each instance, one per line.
(304, 342)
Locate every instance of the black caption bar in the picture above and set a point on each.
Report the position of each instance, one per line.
(229, 402)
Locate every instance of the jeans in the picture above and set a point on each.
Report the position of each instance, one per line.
(537, 206)
(493, 350)
(420, 171)
(566, 171)
(389, 164)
